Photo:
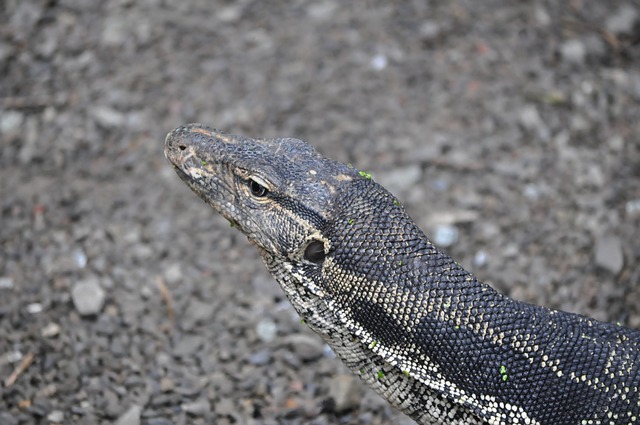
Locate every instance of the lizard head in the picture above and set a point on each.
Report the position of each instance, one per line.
(278, 192)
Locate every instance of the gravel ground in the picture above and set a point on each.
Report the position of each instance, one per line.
(510, 130)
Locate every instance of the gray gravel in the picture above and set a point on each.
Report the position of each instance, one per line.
(123, 299)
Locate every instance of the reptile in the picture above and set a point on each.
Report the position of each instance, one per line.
(424, 333)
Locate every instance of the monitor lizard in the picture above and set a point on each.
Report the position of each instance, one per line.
(423, 332)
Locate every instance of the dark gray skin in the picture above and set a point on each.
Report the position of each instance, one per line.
(423, 332)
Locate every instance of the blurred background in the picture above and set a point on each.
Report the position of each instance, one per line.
(510, 131)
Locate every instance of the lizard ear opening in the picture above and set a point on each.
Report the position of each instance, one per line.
(314, 252)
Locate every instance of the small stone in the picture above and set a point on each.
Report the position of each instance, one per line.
(541, 16)
(6, 283)
(131, 416)
(480, 259)
(188, 345)
(321, 11)
(573, 51)
(608, 253)
(328, 352)
(7, 418)
(88, 297)
(56, 416)
(445, 235)
(429, 30)
(114, 32)
(306, 347)
(35, 308)
(107, 117)
(622, 21)
(80, 258)
(632, 208)
(344, 391)
(260, 358)
(173, 273)
(199, 312)
(401, 178)
(532, 192)
(379, 62)
(440, 185)
(229, 13)
(11, 357)
(166, 384)
(530, 117)
(10, 122)
(225, 407)
(197, 408)
(616, 143)
(51, 330)
(266, 329)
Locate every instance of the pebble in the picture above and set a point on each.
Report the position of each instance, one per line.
(429, 30)
(6, 283)
(225, 407)
(131, 416)
(344, 390)
(445, 235)
(13, 356)
(80, 258)
(51, 330)
(401, 178)
(7, 418)
(481, 258)
(107, 117)
(166, 384)
(379, 62)
(197, 408)
(608, 253)
(328, 352)
(622, 21)
(88, 296)
(573, 51)
(632, 208)
(55, 416)
(35, 308)
(266, 329)
(188, 345)
(306, 347)
(531, 120)
(173, 273)
(260, 358)
(114, 32)
(10, 122)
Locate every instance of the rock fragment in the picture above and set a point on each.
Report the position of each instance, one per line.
(88, 297)
(622, 21)
(306, 347)
(131, 416)
(343, 389)
(608, 253)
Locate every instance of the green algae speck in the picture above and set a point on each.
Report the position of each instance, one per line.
(503, 373)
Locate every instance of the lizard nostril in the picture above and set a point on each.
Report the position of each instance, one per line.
(182, 147)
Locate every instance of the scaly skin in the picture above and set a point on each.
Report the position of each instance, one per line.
(424, 333)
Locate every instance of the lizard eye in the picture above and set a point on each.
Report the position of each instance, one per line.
(257, 189)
